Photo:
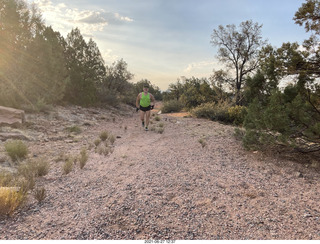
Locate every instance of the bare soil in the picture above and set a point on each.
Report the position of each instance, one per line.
(162, 186)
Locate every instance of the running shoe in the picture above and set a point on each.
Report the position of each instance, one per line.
(146, 129)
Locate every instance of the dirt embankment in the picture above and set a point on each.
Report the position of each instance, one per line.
(192, 181)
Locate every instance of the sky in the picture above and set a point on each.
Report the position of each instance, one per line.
(163, 40)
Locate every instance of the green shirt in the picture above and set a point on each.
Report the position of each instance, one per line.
(145, 100)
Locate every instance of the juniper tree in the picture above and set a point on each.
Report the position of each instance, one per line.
(292, 116)
(83, 63)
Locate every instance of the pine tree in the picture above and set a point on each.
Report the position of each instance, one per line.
(17, 31)
(48, 67)
(81, 88)
(95, 66)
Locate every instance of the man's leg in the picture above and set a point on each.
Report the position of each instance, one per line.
(142, 117)
(147, 117)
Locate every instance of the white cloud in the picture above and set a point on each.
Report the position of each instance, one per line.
(108, 57)
(63, 18)
(200, 66)
(293, 79)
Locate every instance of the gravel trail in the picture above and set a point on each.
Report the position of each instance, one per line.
(169, 186)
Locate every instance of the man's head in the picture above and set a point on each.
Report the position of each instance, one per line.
(145, 87)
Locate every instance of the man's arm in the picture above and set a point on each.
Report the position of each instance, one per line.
(138, 101)
(153, 100)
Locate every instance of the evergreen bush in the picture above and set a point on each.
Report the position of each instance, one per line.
(213, 111)
(237, 114)
(172, 106)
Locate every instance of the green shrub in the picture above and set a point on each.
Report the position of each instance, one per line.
(213, 111)
(37, 168)
(42, 106)
(221, 112)
(239, 133)
(110, 97)
(26, 176)
(172, 106)
(283, 120)
(16, 150)
(104, 135)
(237, 114)
(251, 140)
(206, 110)
(41, 167)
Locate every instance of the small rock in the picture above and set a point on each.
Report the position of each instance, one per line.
(315, 164)
(3, 158)
(12, 117)
(87, 123)
(273, 233)
(13, 135)
(307, 215)
(299, 174)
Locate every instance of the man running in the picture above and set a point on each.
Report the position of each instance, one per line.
(143, 103)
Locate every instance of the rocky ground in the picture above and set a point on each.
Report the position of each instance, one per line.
(193, 181)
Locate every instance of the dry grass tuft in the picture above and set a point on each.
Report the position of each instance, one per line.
(74, 129)
(104, 135)
(102, 150)
(41, 167)
(40, 194)
(16, 150)
(10, 200)
(83, 158)
(67, 166)
(97, 142)
(202, 142)
(112, 139)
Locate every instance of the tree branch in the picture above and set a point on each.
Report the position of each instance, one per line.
(309, 100)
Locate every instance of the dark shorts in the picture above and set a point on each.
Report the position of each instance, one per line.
(145, 109)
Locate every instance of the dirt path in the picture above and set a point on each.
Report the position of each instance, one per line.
(167, 186)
